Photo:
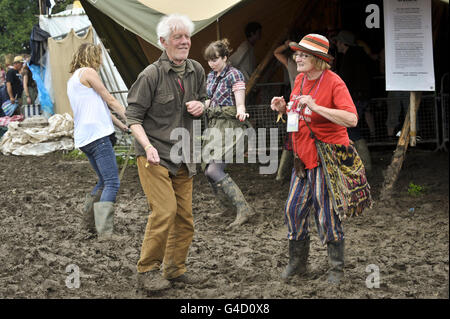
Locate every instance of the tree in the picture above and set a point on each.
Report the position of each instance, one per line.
(60, 5)
(16, 21)
(17, 18)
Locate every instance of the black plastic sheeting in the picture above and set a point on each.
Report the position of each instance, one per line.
(38, 44)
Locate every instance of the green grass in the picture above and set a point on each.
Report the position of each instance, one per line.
(75, 154)
(79, 155)
(416, 190)
(122, 158)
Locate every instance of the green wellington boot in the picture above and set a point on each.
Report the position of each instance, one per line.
(88, 220)
(285, 167)
(364, 153)
(104, 219)
(234, 195)
(224, 202)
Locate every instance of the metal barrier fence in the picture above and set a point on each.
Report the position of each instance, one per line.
(426, 121)
(432, 118)
(444, 112)
(445, 125)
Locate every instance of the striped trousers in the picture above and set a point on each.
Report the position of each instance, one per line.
(311, 194)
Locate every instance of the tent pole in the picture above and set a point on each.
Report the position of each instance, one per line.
(218, 29)
(391, 173)
(107, 62)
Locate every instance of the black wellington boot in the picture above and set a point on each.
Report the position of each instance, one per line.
(298, 257)
(336, 260)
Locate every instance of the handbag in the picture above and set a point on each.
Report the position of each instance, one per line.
(299, 166)
(345, 177)
(8, 107)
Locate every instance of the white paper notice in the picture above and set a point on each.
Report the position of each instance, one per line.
(408, 45)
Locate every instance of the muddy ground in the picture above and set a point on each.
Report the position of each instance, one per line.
(40, 236)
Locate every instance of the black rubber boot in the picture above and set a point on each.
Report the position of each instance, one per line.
(336, 260)
(298, 258)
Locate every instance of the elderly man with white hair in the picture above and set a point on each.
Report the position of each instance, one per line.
(169, 94)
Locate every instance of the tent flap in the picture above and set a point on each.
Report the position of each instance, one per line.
(140, 16)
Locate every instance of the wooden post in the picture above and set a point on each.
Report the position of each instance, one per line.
(413, 116)
(391, 173)
(127, 159)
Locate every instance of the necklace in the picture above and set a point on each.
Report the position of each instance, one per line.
(319, 79)
(295, 98)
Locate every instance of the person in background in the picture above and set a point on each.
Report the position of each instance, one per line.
(93, 129)
(168, 95)
(3, 92)
(287, 157)
(243, 58)
(397, 101)
(322, 109)
(284, 54)
(354, 69)
(225, 110)
(2, 74)
(14, 86)
(29, 86)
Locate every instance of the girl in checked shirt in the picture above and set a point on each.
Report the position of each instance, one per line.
(225, 113)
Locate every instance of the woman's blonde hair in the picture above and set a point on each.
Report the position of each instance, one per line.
(320, 64)
(219, 48)
(9, 58)
(88, 55)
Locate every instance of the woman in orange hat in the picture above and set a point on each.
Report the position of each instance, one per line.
(328, 177)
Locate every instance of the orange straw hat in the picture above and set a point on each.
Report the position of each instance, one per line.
(314, 44)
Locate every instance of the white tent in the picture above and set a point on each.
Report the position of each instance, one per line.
(60, 24)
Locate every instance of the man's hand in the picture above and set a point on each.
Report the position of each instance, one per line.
(195, 108)
(152, 156)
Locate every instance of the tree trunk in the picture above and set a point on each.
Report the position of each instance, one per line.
(391, 173)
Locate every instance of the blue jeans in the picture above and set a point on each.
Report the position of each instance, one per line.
(103, 160)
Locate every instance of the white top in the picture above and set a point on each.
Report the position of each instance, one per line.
(92, 118)
(244, 59)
